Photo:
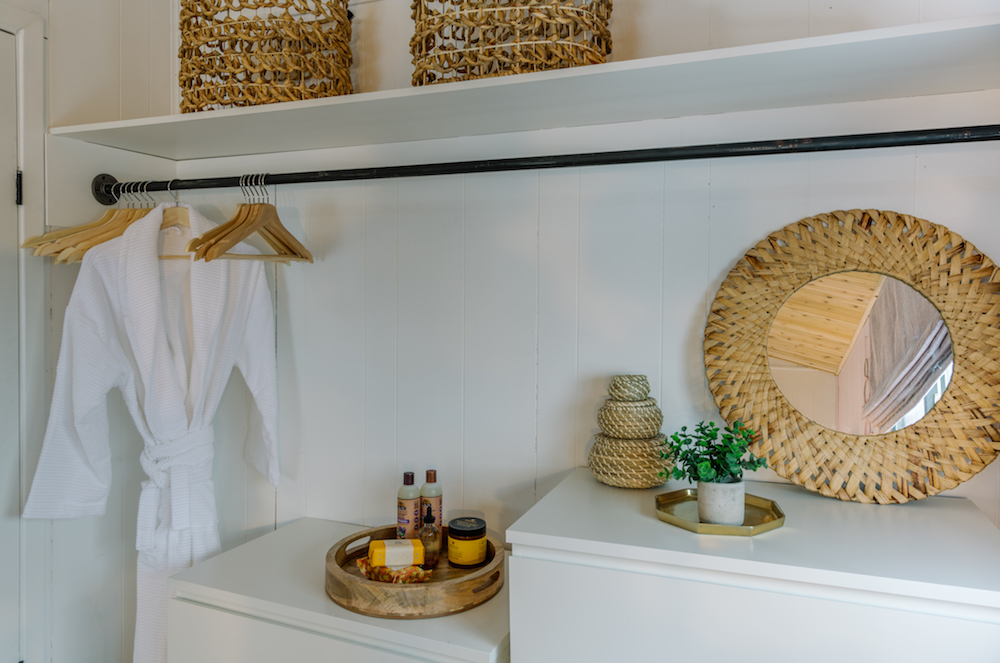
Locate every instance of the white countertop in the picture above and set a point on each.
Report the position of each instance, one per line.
(940, 548)
(281, 577)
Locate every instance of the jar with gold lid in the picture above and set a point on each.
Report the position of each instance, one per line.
(467, 542)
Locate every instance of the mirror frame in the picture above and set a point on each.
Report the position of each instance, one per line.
(957, 439)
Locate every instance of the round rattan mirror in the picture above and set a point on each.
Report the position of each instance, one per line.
(950, 444)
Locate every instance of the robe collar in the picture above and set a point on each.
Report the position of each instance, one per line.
(162, 392)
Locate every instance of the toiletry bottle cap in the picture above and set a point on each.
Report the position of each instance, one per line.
(432, 476)
(429, 518)
(407, 478)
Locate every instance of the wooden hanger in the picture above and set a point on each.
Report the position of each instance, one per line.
(175, 216)
(172, 217)
(38, 240)
(79, 245)
(88, 240)
(69, 244)
(260, 217)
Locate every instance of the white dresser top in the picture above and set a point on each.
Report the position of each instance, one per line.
(281, 577)
(940, 548)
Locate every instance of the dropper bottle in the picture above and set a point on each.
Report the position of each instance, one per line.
(430, 495)
(430, 536)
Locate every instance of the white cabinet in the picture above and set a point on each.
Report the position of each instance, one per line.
(595, 576)
(265, 601)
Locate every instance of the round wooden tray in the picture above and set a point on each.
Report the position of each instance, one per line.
(449, 590)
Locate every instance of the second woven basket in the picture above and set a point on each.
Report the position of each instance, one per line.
(628, 463)
(457, 40)
(630, 420)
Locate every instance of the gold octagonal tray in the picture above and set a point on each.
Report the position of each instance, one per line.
(680, 508)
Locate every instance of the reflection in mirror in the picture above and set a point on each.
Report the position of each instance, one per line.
(860, 353)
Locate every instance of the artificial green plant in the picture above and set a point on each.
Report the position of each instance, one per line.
(703, 456)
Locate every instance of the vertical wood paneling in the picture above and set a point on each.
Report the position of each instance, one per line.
(684, 396)
(501, 304)
(163, 22)
(940, 10)
(736, 23)
(229, 471)
(957, 186)
(382, 473)
(827, 17)
(638, 29)
(688, 27)
(290, 302)
(752, 198)
(134, 58)
(559, 427)
(261, 496)
(621, 282)
(398, 49)
(429, 332)
(381, 48)
(865, 179)
(334, 361)
(83, 45)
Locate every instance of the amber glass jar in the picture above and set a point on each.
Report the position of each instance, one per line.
(467, 542)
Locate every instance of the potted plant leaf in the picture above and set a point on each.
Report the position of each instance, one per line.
(716, 462)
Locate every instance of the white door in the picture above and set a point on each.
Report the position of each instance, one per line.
(10, 509)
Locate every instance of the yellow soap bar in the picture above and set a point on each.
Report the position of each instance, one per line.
(396, 552)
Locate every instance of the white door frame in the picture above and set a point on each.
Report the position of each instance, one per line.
(29, 30)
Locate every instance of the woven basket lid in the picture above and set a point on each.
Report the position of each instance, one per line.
(629, 388)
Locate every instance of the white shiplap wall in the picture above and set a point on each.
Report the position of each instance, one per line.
(470, 323)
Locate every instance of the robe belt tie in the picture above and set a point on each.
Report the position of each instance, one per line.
(173, 466)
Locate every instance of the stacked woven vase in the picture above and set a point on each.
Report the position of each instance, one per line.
(626, 453)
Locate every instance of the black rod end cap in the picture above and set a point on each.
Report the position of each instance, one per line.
(103, 189)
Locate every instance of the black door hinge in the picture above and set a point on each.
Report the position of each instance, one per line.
(19, 195)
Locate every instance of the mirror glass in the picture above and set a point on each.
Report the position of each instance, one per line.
(860, 353)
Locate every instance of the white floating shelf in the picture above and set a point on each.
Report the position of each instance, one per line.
(910, 61)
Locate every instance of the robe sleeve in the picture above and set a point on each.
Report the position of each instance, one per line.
(256, 361)
(73, 477)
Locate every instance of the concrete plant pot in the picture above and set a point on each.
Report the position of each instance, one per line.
(721, 503)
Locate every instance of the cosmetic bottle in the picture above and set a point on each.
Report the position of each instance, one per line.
(430, 537)
(430, 496)
(407, 508)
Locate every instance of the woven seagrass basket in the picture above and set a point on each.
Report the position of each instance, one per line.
(630, 420)
(251, 52)
(457, 40)
(629, 388)
(628, 463)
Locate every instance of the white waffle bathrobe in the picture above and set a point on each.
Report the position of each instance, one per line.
(167, 333)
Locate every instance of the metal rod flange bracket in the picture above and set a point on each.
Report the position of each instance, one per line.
(103, 189)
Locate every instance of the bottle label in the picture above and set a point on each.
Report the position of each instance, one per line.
(466, 552)
(407, 518)
(436, 511)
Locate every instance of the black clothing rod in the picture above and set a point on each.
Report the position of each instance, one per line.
(107, 189)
